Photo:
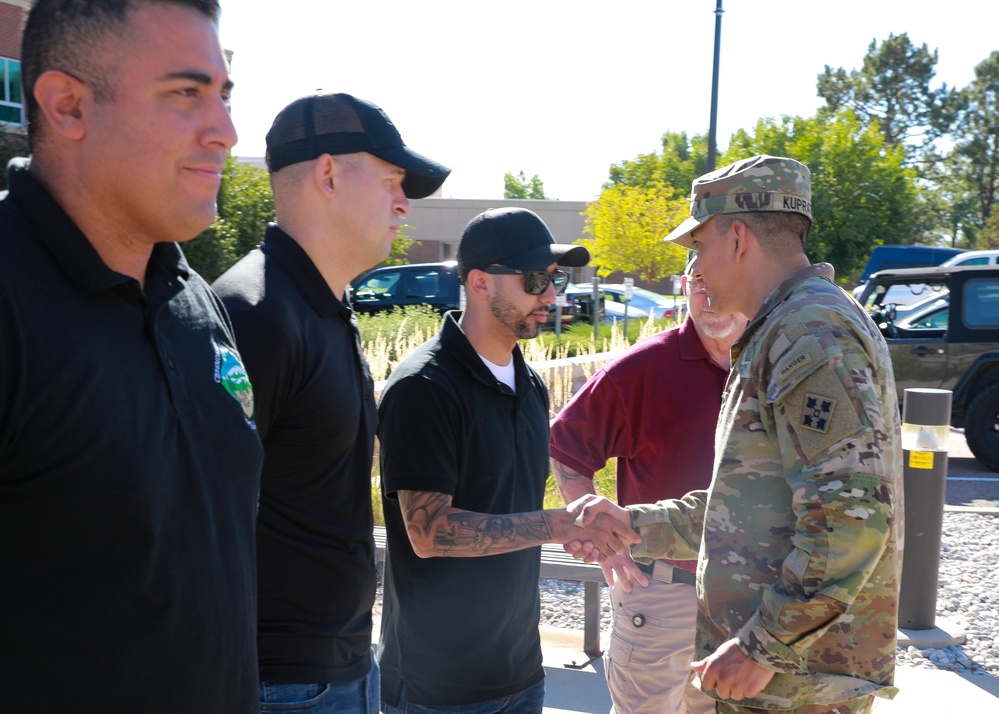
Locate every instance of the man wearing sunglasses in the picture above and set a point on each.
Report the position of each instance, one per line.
(463, 427)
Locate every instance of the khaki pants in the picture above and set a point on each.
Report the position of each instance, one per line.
(651, 647)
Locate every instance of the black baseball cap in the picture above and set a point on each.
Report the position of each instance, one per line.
(516, 238)
(342, 124)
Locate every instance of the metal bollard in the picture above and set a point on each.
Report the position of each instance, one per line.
(925, 426)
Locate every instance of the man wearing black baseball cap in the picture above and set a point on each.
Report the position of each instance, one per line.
(515, 241)
(463, 428)
(342, 180)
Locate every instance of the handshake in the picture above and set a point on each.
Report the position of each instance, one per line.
(593, 529)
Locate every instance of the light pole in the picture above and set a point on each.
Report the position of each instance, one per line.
(712, 131)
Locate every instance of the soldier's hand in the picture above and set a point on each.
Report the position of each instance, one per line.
(731, 674)
(588, 507)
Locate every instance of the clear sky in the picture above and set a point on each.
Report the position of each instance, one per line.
(565, 88)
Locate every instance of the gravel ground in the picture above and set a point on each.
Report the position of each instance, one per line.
(968, 595)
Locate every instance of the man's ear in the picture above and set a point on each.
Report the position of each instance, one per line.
(325, 174)
(64, 100)
(743, 241)
(478, 284)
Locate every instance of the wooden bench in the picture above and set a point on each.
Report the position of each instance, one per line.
(556, 563)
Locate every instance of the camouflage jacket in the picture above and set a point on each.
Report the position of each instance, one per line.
(799, 536)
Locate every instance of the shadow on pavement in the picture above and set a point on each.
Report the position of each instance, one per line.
(569, 690)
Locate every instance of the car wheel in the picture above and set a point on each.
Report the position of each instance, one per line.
(981, 427)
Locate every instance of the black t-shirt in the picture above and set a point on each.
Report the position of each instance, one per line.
(129, 471)
(316, 415)
(461, 630)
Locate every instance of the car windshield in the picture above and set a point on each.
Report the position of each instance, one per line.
(377, 287)
(901, 294)
(935, 319)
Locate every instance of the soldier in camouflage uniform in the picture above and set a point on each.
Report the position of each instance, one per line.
(799, 536)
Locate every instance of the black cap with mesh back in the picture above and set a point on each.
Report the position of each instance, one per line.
(342, 124)
(514, 237)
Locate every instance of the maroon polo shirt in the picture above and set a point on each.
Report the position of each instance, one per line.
(655, 409)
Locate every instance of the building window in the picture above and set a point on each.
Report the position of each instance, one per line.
(11, 103)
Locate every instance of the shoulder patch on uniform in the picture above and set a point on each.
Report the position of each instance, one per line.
(781, 345)
(804, 355)
(817, 412)
(786, 368)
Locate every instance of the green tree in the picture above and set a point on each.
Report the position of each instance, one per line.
(989, 237)
(519, 187)
(863, 195)
(400, 247)
(893, 87)
(245, 207)
(947, 209)
(11, 146)
(626, 227)
(681, 160)
(975, 159)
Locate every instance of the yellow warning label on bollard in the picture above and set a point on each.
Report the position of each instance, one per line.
(920, 459)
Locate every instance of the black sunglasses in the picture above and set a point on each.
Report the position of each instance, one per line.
(535, 281)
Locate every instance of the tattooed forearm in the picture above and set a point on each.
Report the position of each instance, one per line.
(485, 534)
(571, 484)
(438, 529)
(420, 509)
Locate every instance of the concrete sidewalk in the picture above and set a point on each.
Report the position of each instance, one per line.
(922, 691)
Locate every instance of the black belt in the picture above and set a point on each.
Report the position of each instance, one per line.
(679, 574)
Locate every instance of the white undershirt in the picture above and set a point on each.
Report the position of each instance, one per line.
(504, 373)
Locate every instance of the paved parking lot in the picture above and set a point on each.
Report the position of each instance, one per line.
(969, 484)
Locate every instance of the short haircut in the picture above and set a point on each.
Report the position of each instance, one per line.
(779, 232)
(73, 36)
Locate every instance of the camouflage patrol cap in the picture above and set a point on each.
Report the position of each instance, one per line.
(760, 183)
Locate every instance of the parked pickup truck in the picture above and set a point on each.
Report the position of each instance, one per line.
(948, 338)
(434, 284)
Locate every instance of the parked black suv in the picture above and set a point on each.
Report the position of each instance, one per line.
(434, 284)
(953, 345)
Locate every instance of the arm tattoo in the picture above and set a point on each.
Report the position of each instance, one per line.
(459, 533)
(563, 474)
(486, 534)
(420, 509)
(571, 484)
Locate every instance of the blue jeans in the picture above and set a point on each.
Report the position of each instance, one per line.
(357, 697)
(529, 701)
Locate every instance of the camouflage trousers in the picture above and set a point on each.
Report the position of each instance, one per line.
(861, 705)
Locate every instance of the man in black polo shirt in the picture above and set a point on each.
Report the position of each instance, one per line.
(463, 425)
(342, 178)
(129, 464)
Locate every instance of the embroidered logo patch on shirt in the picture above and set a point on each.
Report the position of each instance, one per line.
(817, 413)
(229, 372)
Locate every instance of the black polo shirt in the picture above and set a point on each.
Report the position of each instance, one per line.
(129, 470)
(316, 415)
(461, 630)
